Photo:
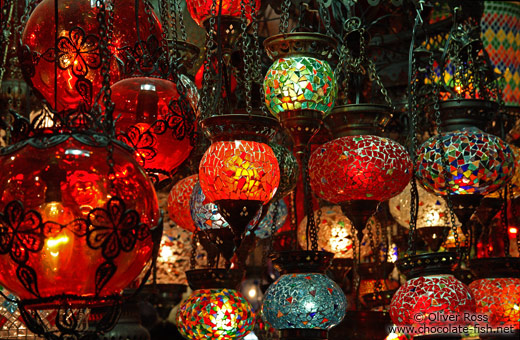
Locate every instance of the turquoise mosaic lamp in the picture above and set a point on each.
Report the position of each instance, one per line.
(303, 303)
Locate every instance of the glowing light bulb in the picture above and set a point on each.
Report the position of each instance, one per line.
(54, 211)
(252, 292)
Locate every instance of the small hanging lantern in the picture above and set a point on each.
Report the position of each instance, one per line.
(300, 87)
(215, 310)
(179, 202)
(201, 10)
(303, 303)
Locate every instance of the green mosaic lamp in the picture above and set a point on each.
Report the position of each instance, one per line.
(300, 87)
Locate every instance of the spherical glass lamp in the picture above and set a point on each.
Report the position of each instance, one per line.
(335, 232)
(239, 170)
(473, 162)
(431, 292)
(78, 58)
(304, 302)
(155, 122)
(200, 10)
(213, 312)
(300, 83)
(273, 220)
(204, 213)
(64, 211)
(363, 167)
(499, 299)
(179, 202)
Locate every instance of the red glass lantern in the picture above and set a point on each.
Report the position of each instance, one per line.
(422, 300)
(499, 298)
(363, 167)
(200, 10)
(239, 170)
(153, 121)
(179, 202)
(78, 53)
(71, 225)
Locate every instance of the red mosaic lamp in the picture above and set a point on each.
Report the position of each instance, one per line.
(179, 202)
(430, 292)
(155, 121)
(78, 78)
(497, 290)
(358, 172)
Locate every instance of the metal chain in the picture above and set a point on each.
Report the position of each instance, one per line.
(208, 86)
(180, 19)
(248, 57)
(374, 76)
(102, 19)
(269, 247)
(169, 24)
(312, 228)
(6, 34)
(193, 255)
(505, 220)
(284, 19)
(373, 247)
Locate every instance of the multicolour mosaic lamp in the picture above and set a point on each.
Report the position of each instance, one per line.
(303, 302)
(213, 312)
(431, 289)
(361, 167)
(179, 202)
(300, 87)
(514, 183)
(471, 162)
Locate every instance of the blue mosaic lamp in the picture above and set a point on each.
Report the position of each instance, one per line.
(303, 303)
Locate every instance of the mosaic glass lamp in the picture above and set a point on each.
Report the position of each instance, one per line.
(431, 289)
(273, 220)
(303, 303)
(240, 177)
(473, 162)
(433, 218)
(179, 202)
(514, 183)
(363, 167)
(497, 291)
(300, 87)
(214, 311)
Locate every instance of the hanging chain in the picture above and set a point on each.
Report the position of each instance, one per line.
(7, 20)
(269, 248)
(374, 76)
(180, 19)
(193, 256)
(284, 19)
(293, 217)
(169, 26)
(312, 228)
(208, 86)
(505, 219)
(248, 56)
